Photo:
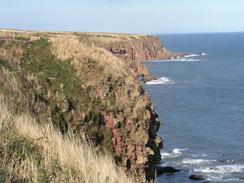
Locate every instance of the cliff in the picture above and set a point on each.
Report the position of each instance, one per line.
(77, 86)
(131, 48)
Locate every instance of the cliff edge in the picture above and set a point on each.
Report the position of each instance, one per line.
(78, 85)
(131, 48)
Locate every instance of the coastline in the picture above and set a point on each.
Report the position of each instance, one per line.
(68, 81)
(202, 109)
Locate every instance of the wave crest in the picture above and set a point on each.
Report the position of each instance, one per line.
(195, 55)
(222, 169)
(183, 60)
(160, 81)
(191, 57)
(196, 161)
(175, 153)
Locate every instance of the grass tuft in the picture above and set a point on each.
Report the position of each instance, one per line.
(51, 71)
(30, 152)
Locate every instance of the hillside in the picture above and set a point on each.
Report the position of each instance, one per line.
(128, 47)
(76, 86)
(133, 49)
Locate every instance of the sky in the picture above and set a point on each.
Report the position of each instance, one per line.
(125, 16)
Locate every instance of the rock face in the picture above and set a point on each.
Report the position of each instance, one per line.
(133, 49)
(146, 48)
(129, 47)
(76, 86)
(167, 169)
(196, 177)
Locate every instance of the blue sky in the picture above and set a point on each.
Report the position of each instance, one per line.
(131, 16)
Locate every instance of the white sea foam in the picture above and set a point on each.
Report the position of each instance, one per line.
(196, 161)
(165, 154)
(222, 169)
(199, 155)
(183, 60)
(177, 152)
(204, 54)
(192, 55)
(195, 55)
(215, 178)
(221, 178)
(160, 81)
(232, 180)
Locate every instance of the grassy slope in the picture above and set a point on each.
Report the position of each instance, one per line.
(71, 86)
(30, 152)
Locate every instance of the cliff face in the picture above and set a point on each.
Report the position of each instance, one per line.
(146, 48)
(133, 49)
(129, 47)
(62, 80)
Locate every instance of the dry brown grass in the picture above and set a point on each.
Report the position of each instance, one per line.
(65, 48)
(89, 36)
(107, 38)
(71, 153)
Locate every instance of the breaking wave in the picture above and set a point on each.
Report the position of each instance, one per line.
(222, 173)
(196, 161)
(183, 60)
(160, 81)
(222, 169)
(177, 152)
(194, 57)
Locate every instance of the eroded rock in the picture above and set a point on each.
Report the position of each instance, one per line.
(166, 169)
(196, 177)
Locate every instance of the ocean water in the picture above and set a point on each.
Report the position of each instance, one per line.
(200, 102)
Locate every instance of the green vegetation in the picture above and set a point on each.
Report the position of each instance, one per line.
(21, 38)
(2, 63)
(52, 72)
(22, 161)
(59, 75)
(67, 86)
(31, 152)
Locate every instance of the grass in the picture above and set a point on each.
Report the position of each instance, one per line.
(58, 77)
(23, 160)
(51, 71)
(21, 38)
(39, 153)
(3, 63)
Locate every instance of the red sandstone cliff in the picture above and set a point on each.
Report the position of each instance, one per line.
(129, 47)
(145, 48)
(133, 49)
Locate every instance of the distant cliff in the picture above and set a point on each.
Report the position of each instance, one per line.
(142, 49)
(131, 48)
(74, 82)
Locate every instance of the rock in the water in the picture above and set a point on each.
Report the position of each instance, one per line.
(196, 177)
(166, 169)
(241, 178)
(226, 161)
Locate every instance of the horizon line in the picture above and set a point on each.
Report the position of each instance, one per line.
(111, 32)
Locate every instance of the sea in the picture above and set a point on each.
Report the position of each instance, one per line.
(200, 102)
